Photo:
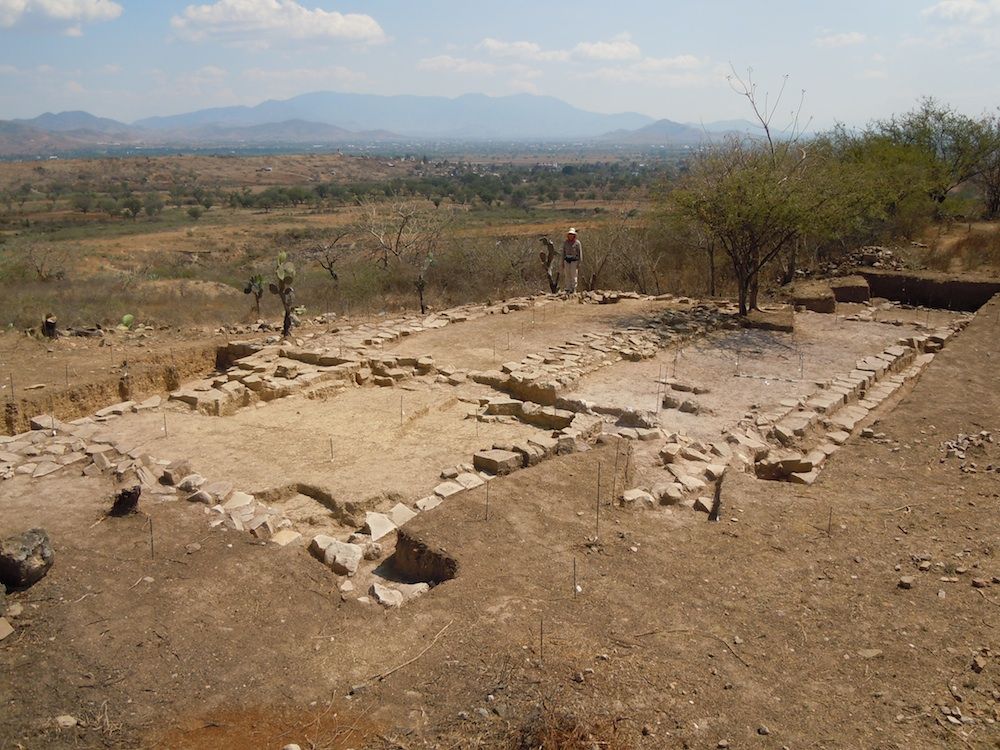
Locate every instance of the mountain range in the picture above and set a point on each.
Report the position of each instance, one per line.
(330, 118)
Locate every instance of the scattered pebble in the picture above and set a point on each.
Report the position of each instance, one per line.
(905, 582)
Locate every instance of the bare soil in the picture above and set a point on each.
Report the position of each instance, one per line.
(781, 626)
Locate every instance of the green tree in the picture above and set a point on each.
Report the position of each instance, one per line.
(152, 204)
(131, 207)
(83, 202)
(988, 178)
(756, 197)
(957, 147)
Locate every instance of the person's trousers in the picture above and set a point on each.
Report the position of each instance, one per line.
(570, 272)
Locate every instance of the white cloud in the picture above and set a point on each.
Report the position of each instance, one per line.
(844, 39)
(679, 62)
(680, 71)
(250, 20)
(522, 51)
(72, 12)
(964, 11)
(620, 47)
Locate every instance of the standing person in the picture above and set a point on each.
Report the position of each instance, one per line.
(572, 256)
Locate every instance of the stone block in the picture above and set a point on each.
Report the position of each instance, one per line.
(703, 504)
(284, 537)
(806, 477)
(497, 462)
(237, 501)
(690, 483)
(386, 596)
(468, 480)
(638, 497)
(428, 503)
(668, 493)
(378, 525)
(343, 558)
(504, 406)
(174, 472)
(400, 514)
(447, 489)
(714, 471)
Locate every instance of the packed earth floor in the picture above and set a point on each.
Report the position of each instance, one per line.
(621, 516)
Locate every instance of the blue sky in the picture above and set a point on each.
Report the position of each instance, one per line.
(855, 60)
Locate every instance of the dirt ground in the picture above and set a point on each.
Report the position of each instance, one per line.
(781, 626)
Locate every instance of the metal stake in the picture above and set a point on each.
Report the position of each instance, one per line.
(614, 478)
(541, 639)
(597, 521)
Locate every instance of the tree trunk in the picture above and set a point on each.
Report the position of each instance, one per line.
(743, 293)
(711, 268)
(286, 326)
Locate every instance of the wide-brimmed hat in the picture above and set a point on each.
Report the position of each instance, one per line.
(572, 230)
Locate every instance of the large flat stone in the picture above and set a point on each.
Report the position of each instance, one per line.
(378, 525)
(400, 514)
(497, 461)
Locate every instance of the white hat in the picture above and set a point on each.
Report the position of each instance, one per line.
(572, 230)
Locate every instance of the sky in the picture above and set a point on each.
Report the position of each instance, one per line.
(854, 60)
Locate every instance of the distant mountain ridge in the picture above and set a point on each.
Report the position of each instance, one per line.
(471, 116)
(331, 118)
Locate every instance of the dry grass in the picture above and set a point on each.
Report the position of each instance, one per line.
(976, 248)
(550, 729)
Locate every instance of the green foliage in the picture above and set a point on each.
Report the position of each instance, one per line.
(128, 320)
(284, 274)
(954, 147)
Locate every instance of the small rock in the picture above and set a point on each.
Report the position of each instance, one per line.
(980, 583)
(978, 663)
(763, 730)
(66, 721)
(387, 597)
(192, 548)
(25, 558)
(905, 582)
(5, 628)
